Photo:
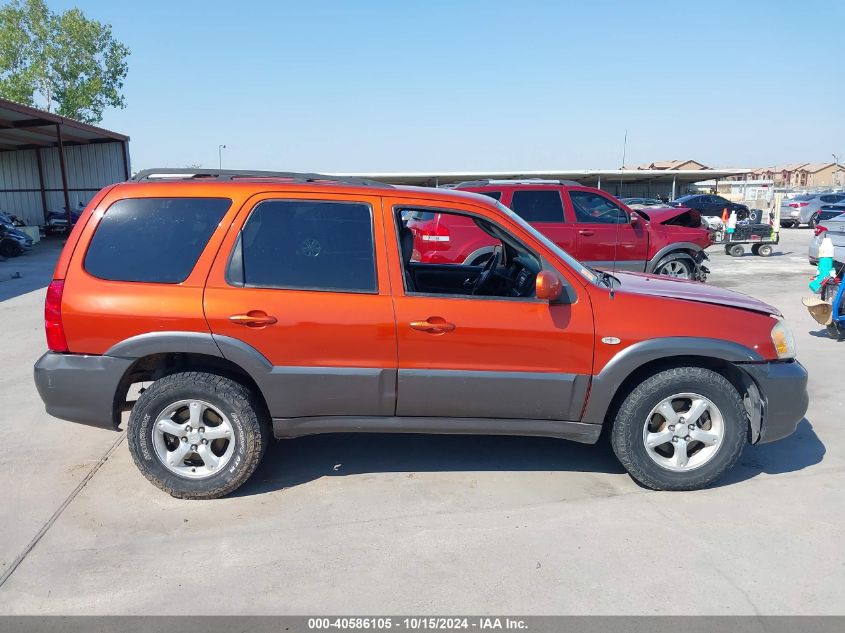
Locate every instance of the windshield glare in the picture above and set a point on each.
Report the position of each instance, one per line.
(557, 250)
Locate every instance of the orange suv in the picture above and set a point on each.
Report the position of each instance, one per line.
(242, 305)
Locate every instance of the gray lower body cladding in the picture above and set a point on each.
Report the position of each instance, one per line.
(574, 431)
(80, 388)
(783, 389)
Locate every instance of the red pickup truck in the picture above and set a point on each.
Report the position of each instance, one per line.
(588, 223)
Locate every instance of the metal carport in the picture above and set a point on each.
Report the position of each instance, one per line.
(50, 163)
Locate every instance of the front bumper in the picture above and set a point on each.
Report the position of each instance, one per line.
(81, 388)
(783, 389)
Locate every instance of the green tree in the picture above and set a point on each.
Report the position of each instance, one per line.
(63, 63)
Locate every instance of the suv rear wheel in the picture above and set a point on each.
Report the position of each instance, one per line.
(681, 429)
(197, 435)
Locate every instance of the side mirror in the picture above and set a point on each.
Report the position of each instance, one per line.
(548, 286)
(635, 219)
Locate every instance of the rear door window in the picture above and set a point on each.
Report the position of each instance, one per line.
(537, 205)
(307, 245)
(591, 208)
(155, 240)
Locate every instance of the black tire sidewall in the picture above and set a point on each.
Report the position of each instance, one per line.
(641, 401)
(140, 429)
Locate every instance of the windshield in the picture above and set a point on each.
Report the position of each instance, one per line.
(573, 263)
(804, 197)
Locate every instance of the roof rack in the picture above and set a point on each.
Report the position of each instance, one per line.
(515, 181)
(170, 174)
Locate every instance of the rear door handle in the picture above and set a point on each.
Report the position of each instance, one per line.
(433, 325)
(254, 319)
(586, 232)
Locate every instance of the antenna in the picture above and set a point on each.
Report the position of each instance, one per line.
(616, 241)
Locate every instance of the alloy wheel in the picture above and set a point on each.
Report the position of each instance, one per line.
(193, 439)
(675, 268)
(683, 432)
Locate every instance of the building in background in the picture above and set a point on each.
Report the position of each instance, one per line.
(50, 163)
(673, 164)
(802, 175)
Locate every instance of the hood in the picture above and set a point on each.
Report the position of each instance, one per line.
(661, 286)
(681, 216)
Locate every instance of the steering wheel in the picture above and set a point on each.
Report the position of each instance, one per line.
(487, 272)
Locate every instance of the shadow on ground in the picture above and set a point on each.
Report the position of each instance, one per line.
(290, 463)
(800, 450)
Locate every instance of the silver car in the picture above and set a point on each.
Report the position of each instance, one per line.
(835, 230)
(802, 209)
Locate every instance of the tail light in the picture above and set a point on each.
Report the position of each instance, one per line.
(798, 205)
(820, 230)
(56, 340)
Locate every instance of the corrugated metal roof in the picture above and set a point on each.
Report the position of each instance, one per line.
(22, 127)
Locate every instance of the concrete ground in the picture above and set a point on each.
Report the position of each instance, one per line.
(412, 524)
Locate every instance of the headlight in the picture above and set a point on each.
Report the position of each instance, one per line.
(783, 341)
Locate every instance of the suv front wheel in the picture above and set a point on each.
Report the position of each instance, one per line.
(197, 435)
(681, 429)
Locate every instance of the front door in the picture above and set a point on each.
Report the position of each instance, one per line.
(498, 353)
(606, 237)
(304, 283)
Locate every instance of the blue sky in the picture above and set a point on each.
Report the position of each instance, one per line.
(438, 86)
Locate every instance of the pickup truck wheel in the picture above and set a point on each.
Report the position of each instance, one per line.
(197, 435)
(681, 429)
(678, 266)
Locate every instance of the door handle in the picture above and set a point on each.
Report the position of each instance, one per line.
(253, 318)
(586, 232)
(433, 325)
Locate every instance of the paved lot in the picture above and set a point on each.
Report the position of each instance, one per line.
(411, 524)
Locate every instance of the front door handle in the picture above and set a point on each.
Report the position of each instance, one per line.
(433, 325)
(253, 318)
(586, 232)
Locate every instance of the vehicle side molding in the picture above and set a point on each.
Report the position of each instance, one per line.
(606, 383)
(561, 429)
(165, 342)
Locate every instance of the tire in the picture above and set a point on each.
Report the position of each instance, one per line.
(814, 220)
(479, 260)
(735, 250)
(678, 266)
(763, 250)
(786, 224)
(724, 418)
(240, 423)
(10, 248)
(836, 332)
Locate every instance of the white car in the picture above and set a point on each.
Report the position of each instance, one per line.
(835, 230)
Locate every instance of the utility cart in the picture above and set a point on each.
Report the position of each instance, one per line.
(761, 238)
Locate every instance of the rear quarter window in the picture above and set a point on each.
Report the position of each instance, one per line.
(154, 240)
(538, 205)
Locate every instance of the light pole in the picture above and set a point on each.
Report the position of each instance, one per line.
(220, 149)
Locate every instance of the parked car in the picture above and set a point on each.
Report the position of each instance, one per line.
(641, 203)
(710, 205)
(804, 208)
(239, 330)
(588, 223)
(13, 241)
(57, 220)
(834, 228)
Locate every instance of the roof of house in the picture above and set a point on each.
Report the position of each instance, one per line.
(673, 164)
(817, 167)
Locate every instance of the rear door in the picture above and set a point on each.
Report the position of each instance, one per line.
(544, 208)
(302, 281)
(605, 232)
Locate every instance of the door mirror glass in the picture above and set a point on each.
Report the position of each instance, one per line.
(549, 286)
(634, 219)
